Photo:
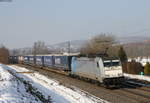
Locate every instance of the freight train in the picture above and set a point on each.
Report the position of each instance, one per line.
(107, 71)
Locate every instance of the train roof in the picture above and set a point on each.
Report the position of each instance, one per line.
(64, 54)
(110, 58)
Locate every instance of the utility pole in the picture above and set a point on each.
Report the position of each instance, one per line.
(69, 47)
(34, 52)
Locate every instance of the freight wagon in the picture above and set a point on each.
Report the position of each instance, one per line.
(14, 59)
(62, 62)
(39, 60)
(48, 61)
(31, 60)
(25, 60)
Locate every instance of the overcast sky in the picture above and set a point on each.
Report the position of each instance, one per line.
(23, 22)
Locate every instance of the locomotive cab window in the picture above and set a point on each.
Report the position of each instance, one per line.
(111, 63)
(107, 63)
(115, 63)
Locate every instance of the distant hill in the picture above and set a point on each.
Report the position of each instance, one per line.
(133, 39)
(75, 45)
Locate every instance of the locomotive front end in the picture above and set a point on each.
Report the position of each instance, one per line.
(113, 72)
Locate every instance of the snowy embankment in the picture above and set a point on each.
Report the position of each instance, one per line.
(13, 90)
(51, 88)
(140, 77)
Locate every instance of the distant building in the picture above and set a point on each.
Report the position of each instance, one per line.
(142, 60)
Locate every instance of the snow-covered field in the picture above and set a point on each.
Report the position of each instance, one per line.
(140, 77)
(12, 90)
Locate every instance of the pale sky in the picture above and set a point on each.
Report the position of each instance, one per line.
(22, 22)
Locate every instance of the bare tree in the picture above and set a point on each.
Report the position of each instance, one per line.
(39, 47)
(4, 55)
(99, 44)
(21, 51)
(14, 52)
(137, 49)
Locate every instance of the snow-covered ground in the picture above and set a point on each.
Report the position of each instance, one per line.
(48, 87)
(12, 90)
(140, 77)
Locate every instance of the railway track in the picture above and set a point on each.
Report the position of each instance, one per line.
(127, 93)
(132, 84)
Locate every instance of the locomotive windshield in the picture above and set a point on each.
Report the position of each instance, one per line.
(107, 63)
(115, 63)
(110, 63)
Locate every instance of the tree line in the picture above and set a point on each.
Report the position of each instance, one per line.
(138, 49)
